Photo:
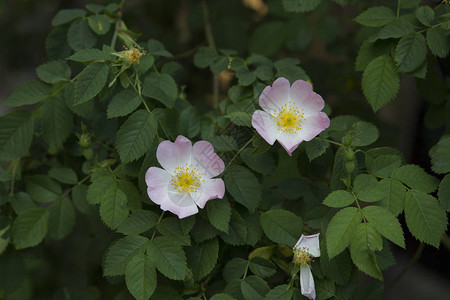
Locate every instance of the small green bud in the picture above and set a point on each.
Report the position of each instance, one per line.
(84, 140)
(88, 153)
(350, 166)
(349, 154)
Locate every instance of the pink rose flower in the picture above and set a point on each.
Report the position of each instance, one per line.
(187, 178)
(292, 114)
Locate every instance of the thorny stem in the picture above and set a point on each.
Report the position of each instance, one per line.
(154, 231)
(16, 162)
(78, 183)
(408, 266)
(212, 44)
(239, 151)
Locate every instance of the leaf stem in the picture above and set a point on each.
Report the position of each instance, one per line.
(16, 162)
(78, 183)
(330, 141)
(159, 220)
(408, 266)
(237, 153)
(398, 9)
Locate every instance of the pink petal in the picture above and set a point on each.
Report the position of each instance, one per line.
(157, 181)
(204, 158)
(275, 96)
(265, 125)
(303, 95)
(290, 141)
(180, 204)
(171, 155)
(314, 124)
(210, 189)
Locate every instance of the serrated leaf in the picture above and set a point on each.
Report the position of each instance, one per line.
(136, 136)
(170, 227)
(410, 52)
(21, 202)
(168, 257)
(282, 226)
(339, 268)
(79, 194)
(375, 16)
(161, 87)
(237, 230)
(369, 51)
(16, 133)
(123, 103)
(386, 224)
(394, 195)
(219, 213)
(140, 277)
(438, 41)
(243, 186)
(62, 218)
(281, 292)
(262, 267)
(87, 55)
(254, 288)
(234, 269)
(99, 24)
(157, 48)
(204, 57)
(43, 189)
(222, 296)
(139, 222)
(365, 241)
(444, 192)
(300, 5)
(261, 163)
(80, 35)
(202, 258)
(440, 155)
(341, 229)
(30, 227)
(380, 82)
(267, 37)
(90, 82)
(339, 198)
(363, 134)
(66, 15)
(223, 143)
(367, 189)
(121, 252)
(426, 219)
(254, 229)
(325, 288)
(425, 15)
(384, 165)
(56, 44)
(240, 118)
(31, 92)
(113, 208)
(53, 71)
(64, 175)
(316, 148)
(394, 29)
(415, 177)
(99, 187)
(57, 121)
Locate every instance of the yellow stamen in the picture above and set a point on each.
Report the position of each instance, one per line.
(289, 118)
(133, 55)
(186, 179)
(302, 257)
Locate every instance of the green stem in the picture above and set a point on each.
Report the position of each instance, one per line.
(154, 231)
(117, 25)
(330, 141)
(13, 179)
(239, 151)
(78, 183)
(408, 266)
(246, 270)
(398, 9)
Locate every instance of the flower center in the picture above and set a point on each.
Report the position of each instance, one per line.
(133, 55)
(289, 118)
(302, 257)
(186, 179)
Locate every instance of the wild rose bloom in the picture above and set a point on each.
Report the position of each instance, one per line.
(306, 248)
(187, 178)
(292, 114)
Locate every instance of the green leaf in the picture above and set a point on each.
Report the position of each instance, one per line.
(316, 148)
(425, 15)
(415, 177)
(90, 82)
(161, 87)
(202, 258)
(4, 176)
(95, 8)
(16, 133)
(99, 24)
(339, 268)
(157, 48)
(113, 208)
(57, 121)
(325, 288)
(204, 57)
(267, 37)
(254, 288)
(444, 192)
(375, 16)
(373, 291)
(282, 226)
(365, 241)
(56, 43)
(440, 155)
(262, 267)
(380, 82)
(264, 72)
(369, 51)
(254, 229)
(300, 5)
(438, 42)
(43, 189)
(139, 222)
(121, 252)
(410, 52)
(99, 187)
(169, 257)
(339, 198)
(394, 195)
(384, 165)
(87, 55)
(136, 136)
(64, 175)
(281, 292)
(219, 213)
(170, 227)
(240, 118)
(339, 171)
(79, 195)
(140, 277)
(287, 67)
(30, 92)
(261, 163)
(367, 189)
(223, 143)
(341, 229)
(243, 186)
(425, 218)
(234, 269)
(123, 103)
(21, 202)
(66, 15)
(222, 296)
(386, 224)
(53, 71)
(363, 134)
(237, 231)
(80, 35)
(62, 218)
(394, 29)
(30, 228)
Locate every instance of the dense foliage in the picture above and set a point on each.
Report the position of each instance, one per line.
(75, 148)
